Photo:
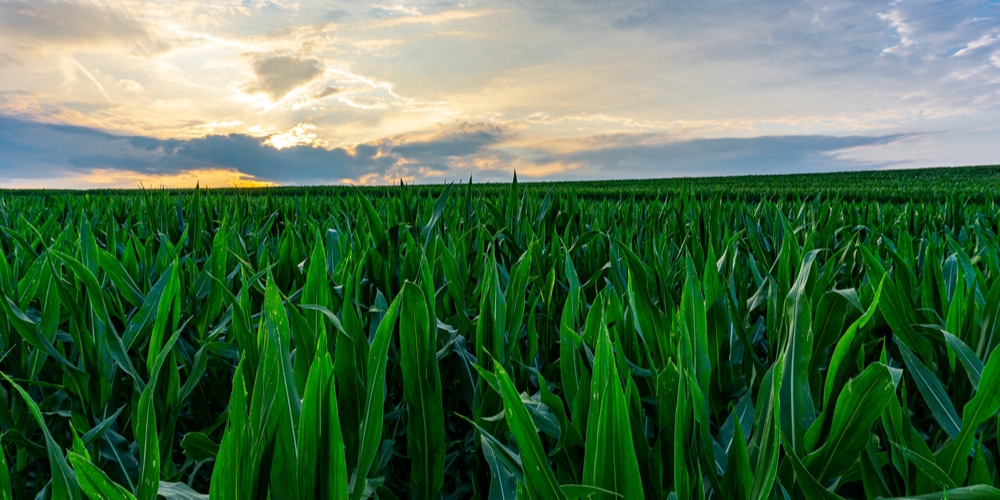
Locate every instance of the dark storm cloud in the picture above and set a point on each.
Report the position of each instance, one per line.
(440, 151)
(33, 150)
(277, 75)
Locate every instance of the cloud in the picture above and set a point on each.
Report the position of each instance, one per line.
(49, 152)
(725, 156)
(39, 24)
(43, 151)
(440, 150)
(327, 92)
(277, 75)
(33, 150)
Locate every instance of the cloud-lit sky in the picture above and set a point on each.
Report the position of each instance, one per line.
(229, 92)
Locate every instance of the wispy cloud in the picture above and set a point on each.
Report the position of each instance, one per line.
(38, 25)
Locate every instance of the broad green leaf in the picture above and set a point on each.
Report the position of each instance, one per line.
(286, 403)
(767, 433)
(858, 407)
(846, 351)
(422, 393)
(933, 392)
(371, 430)
(322, 469)
(973, 366)
(926, 466)
(120, 277)
(575, 491)
(977, 492)
(538, 476)
(198, 446)
(178, 491)
(803, 478)
(229, 479)
(113, 341)
(610, 461)
(797, 408)
(5, 491)
(30, 332)
(145, 428)
(94, 482)
(63, 482)
(503, 484)
(954, 457)
(738, 477)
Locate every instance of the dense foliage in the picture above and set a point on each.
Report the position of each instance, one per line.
(807, 338)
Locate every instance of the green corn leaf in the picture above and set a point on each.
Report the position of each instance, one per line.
(120, 277)
(94, 482)
(928, 467)
(575, 491)
(165, 302)
(503, 485)
(932, 390)
(322, 466)
(610, 461)
(988, 336)
(198, 447)
(766, 433)
(178, 491)
(954, 457)
(230, 479)
(30, 332)
(976, 492)
(436, 212)
(797, 408)
(980, 472)
(539, 478)
(63, 483)
(738, 477)
(805, 480)
(858, 407)
(145, 428)
(421, 393)
(114, 342)
(5, 490)
(287, 405)
(371, 430)
(973, 366)
(845, 351)
(376, 227)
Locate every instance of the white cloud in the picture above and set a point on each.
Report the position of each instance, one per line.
(903, 31)
(983, 41)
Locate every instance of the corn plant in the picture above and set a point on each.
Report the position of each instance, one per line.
(825, 336)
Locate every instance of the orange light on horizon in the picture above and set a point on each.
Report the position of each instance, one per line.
(207, 178)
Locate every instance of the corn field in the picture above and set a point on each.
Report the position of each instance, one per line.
(609, 340)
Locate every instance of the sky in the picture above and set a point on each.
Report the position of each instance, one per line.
(131, 93)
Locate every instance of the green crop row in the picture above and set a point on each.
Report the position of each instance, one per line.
(500, 341)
